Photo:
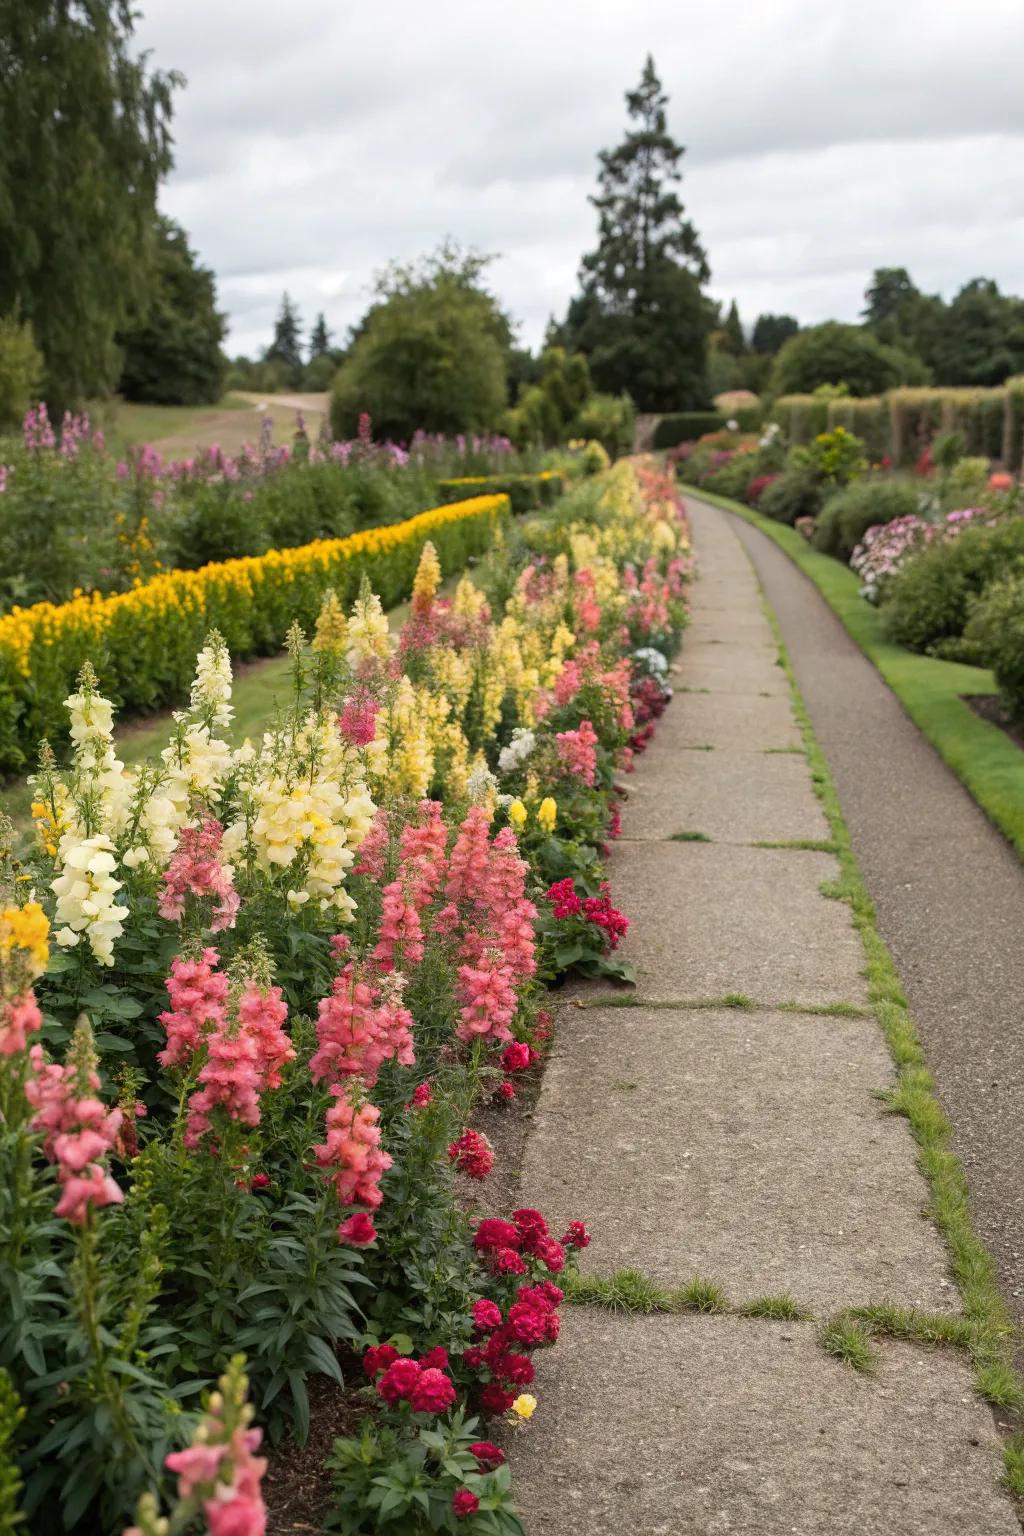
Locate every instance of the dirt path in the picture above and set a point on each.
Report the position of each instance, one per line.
(727, 1126)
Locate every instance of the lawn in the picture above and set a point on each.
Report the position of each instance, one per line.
(932, 692)
(178, 430)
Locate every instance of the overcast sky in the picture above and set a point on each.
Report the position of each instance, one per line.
(316, 141)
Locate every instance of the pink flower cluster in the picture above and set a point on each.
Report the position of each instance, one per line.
(358, 719)
(486, 894)
(352, 1153)
(245, 1055)
(226, 1475)
(361, 1024)
(423, 1384)
(19, 1018)
(577, 752)
(420, 873)
(196, 870)
(79, 1132)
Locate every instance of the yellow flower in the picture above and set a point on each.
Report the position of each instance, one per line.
(547, 814)
(26, 928)
(517, 815)
(524, 1405)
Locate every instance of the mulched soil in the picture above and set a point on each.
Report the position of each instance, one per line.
(991, 708)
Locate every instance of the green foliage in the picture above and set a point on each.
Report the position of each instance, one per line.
(547, 409)
(927, 604)
(84, 144)
(771, 332)
(841, 354)
(526, 493)
(640, 316)
(609, 420)
(995, 634)
(21, 369)
(172, 351)
(846, 516)
(286, 348)
(430, 354)
(977, 338)
(947, 450)
(319, 338)
(686, 427)
(11, 1415)
(798, 492)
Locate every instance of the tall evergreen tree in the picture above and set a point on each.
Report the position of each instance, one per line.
(84, 142)
(641, 316)
(319, 339)
(733, 337)
(286, 347)
(172, 350)
(771, 331)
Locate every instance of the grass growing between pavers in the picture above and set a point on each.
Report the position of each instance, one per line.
(799, 844)
(989, 1333)
(737, 1000)
(629, 1291)
(982, 756)
(689, 837)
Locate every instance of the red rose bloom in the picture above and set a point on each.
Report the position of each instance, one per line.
(551, 1253)
(473, 1357)
(432, 1392)
(494, 1399)
(517, 1369)
(515, 1057)
(465, 1503)
(526, 1323)
(358, 1230)
(398, 1380)
(529, 1223)
(378, 1357)
(506, 1091)
(259, 1181)
(489, 1456)
(576, 1236)
(494, 1233)
(505, 1261)
(486, 1315)
(435, 1359)
(552, 1327)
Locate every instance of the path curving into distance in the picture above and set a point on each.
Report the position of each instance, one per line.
(720, 1129)
(947, 887)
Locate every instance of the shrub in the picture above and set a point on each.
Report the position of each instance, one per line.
(21, 368)
(686, 426)
(609, 420)
(995, 635)
(526, 493)
(847, 516)
(927, 605)
(797, 492)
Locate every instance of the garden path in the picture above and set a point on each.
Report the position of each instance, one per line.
(726, 1124)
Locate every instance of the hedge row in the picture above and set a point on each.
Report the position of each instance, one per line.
(902, 423)
(526, 493)
(143, 643)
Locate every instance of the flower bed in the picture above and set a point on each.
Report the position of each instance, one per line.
(283, 976)
(143, 643)
(525, 492)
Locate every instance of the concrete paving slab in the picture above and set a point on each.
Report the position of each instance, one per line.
(732, 797)
(730, 722)
(732, 670)
(747, 1147)
(707, 919)
(714, 1426)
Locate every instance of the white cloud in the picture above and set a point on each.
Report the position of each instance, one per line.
(316, 143)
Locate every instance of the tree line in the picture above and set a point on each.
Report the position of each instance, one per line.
(101, 293)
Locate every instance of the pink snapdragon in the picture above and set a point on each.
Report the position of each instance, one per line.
(577, 752)
(198, 993)
(352, 1153)
(245, 1054)
(19, 1018)
(78, 1129)
(358, 719)
(196, 870)
(360, 1025)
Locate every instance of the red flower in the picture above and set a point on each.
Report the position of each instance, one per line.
(377, 1358)
(486, 1315)
(552, 1327)
(526, 1323)
(358, 1230)
(259, 1181)
(506, 1091)
(517, 1369)
(516, 1057)
(530, 1225)
(489, 1456)
(464, 1503)
(473, 1357)
(472, 1154)
(398, 1380)
(495, 1233)
(551, 1253)
(421, 1095)
(505, 1261)
(576, 1236)
(435, 1359)
(494, 1399)
(562, 896)
(432, 1392)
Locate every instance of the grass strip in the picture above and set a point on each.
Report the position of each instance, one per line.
(736, 1000)
(982, 756)
(988, 1332)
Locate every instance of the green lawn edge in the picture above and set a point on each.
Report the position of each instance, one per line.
(983, 758)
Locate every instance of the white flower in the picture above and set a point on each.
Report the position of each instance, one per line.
(211, 687)
(655, 661)
(85, 895)
(480, 783)
(519, 749)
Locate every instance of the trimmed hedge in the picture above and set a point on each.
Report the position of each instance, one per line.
(686, 427)
(902, 423)
(526, 493)
(143, 643)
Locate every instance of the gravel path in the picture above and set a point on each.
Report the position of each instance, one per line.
(747, 1146)
(949, 892)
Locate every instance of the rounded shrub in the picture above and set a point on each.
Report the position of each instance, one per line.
(847, 515)
(927, 604)
(995, 636)
(796, 493)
